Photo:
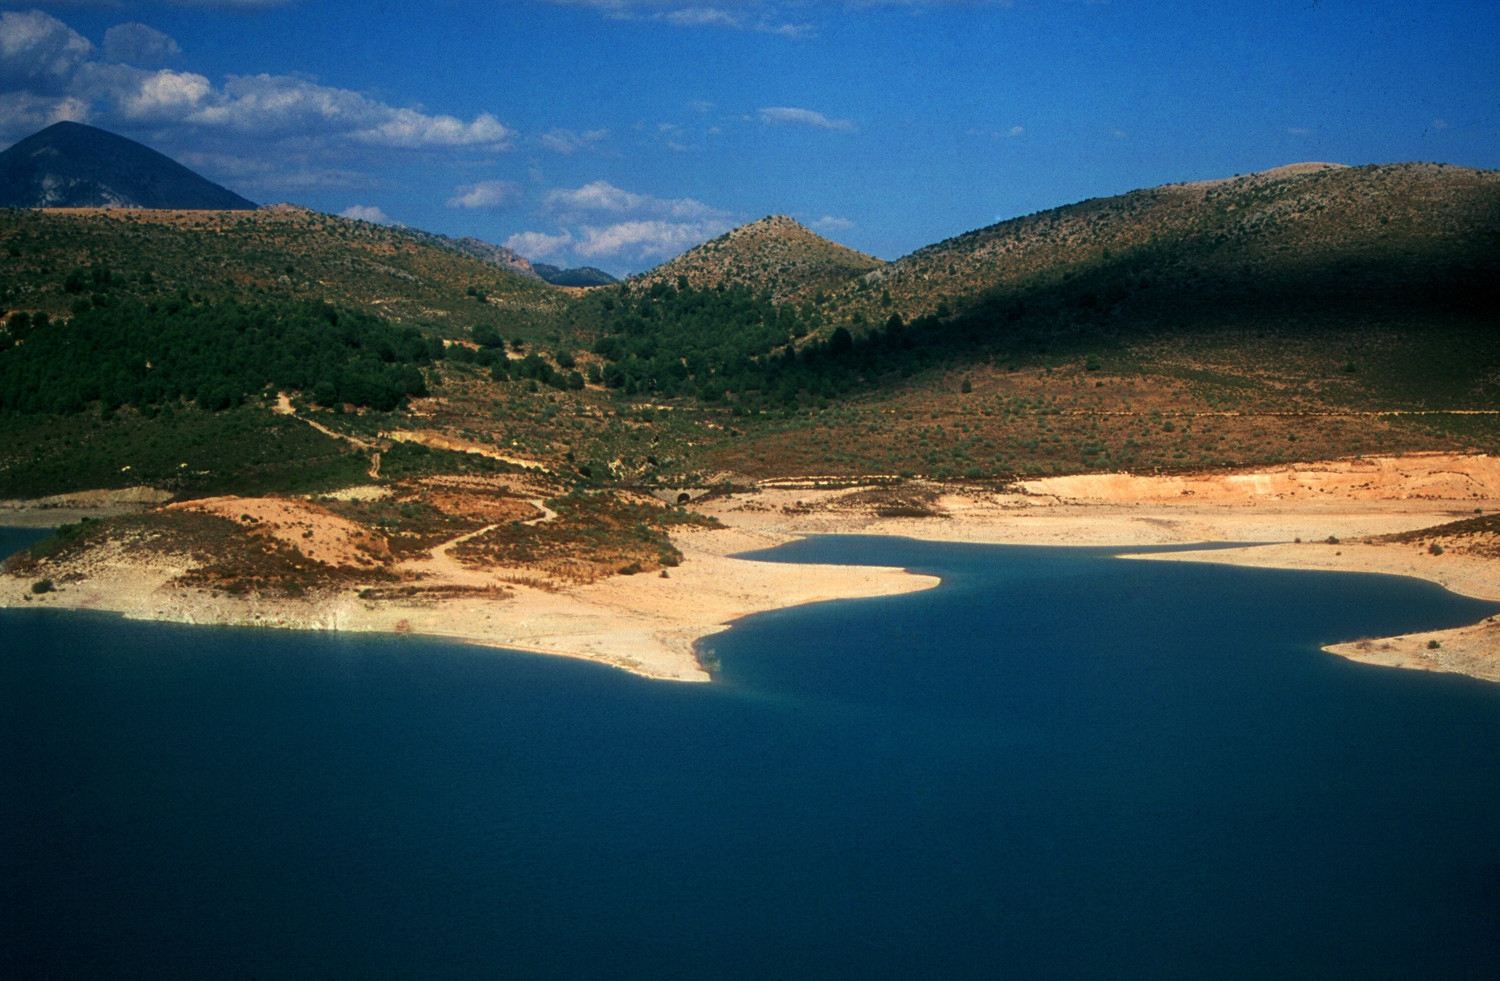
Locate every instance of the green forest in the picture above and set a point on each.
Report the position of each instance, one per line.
(214, 355)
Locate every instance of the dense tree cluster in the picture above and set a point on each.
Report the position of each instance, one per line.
(684, 341)
(150, 354)
(533, 367)
(730, 344)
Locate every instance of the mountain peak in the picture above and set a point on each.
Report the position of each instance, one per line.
(72, 165)
(777, 253)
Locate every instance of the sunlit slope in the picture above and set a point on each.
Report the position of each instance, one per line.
(776, 254)
(54, 257)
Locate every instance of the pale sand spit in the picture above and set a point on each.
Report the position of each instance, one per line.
(650, 625)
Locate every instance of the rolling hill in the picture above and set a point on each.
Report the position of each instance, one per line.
(776, 253)
(1301, 234)
(1305, 314)
(1312, 311)
(281, 252)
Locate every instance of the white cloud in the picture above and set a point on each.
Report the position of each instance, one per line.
(644, 239)
(780, 17)
(610, 222)
(39, 54)
(595, 196)
(603, 196)
(485, 194)
(49, 70)
(160, 95)
(138, 44)
(567, 141)
(1018, 131)
(764, 16)
(703, 17)
(538, 245)
(780, 115)
(409, 128)
(363, 212)
(828, 223)
(281, 105)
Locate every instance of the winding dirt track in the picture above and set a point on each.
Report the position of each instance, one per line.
(439, 567)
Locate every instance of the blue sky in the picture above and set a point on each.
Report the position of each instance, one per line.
(618, 133)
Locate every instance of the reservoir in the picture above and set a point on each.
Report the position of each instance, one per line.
(1057, 764)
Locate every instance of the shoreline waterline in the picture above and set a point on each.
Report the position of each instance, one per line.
(652, 626)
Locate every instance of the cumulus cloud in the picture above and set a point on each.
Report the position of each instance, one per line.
(49, 71)
(409, 128)
(640, 239)
(281, 105)
(567, 141)
(138, 44)
(39, 54)
(156, 96)
(609, 222)
(786, 115)
(364, 212)
(485, 194)
(539, 245)
(603, 196)
(595, 196)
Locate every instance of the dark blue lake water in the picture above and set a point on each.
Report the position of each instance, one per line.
(1058, 764)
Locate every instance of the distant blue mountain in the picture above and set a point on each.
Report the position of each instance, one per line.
(70, 165)
(581, 276)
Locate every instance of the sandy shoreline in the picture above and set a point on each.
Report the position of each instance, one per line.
(645, 624)
(649, 624)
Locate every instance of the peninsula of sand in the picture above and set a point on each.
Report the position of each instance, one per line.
(1375, 514)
